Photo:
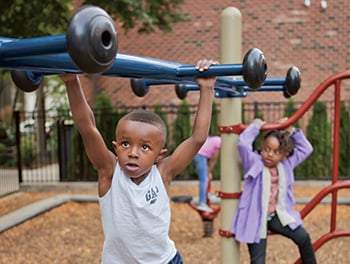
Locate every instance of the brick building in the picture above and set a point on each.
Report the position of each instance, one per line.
(314, 39)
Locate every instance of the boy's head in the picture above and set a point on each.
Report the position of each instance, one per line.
(276, 146)
(140, 138)
(147, 117)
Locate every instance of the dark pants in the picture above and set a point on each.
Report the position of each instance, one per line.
(301, 238)
(177, 259)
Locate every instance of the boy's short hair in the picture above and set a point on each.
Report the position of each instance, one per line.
(148, 117)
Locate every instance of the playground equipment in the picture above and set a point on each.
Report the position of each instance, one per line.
(31, 59)
(207, 217)
(289, 85)
(226, 87)
(336, 184)
(90, 46)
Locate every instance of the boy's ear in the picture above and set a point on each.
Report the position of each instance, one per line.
(114, 145)
(162, 154)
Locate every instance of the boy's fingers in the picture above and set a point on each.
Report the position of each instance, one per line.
(205, 64)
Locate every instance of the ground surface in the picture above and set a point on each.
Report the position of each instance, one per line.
(72, 233)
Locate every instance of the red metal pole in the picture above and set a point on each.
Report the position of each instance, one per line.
(335, 170)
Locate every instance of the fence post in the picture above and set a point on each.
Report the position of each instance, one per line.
(16, 114)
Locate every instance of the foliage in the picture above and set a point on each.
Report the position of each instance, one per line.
(158, 111)
(80, 168)
(214, 130)
(344, 141)
(147, 16)
(28, 150)
(319, 134)
(258, 114)
(182, 125)
(182, 129)
(214, 125)
(290, 110)
(7, 156)
(23, 19)
(56, 89)
(2, 154)
(106, 118)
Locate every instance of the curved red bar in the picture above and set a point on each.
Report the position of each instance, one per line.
(333, 80)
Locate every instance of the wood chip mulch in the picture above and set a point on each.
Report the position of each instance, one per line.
(72, 232)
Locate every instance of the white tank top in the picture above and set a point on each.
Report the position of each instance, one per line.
(136, 220)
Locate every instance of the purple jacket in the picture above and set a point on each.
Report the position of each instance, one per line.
(247, 221)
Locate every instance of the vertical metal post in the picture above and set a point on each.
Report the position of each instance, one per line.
(231, 110)
(16, 114)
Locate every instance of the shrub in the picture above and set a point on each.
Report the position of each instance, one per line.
(344, 141)
(182, 129)
(319, 134)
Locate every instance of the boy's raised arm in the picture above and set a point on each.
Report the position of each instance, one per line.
(184, 153)
(102, 159)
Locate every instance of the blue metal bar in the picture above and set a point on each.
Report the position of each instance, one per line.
(217, 70)
(11, 48)
(125, 65)
(270, 84)
(240, 82)
(42, 65)
(238, 89)
(144, 67)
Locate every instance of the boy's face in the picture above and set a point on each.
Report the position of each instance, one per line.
(138, 146)
(271, 153)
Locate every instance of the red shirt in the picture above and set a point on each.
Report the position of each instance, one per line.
(274, 190)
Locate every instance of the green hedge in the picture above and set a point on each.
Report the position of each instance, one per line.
(318, 131)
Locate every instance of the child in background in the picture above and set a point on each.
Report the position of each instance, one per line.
(267, 201)
(133, 183)
(204, 162)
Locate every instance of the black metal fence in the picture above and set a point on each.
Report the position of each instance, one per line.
(43, 152)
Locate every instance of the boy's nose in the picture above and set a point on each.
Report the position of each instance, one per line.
(133, 152)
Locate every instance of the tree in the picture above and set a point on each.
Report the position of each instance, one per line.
(290, 109)
(182, 129)
(344, 141)
(158, 110)
(214, 130)
(319, 135)
(23, 19)
(106, 118)
(214, 125)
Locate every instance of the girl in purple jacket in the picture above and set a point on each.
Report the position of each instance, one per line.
(267, 201)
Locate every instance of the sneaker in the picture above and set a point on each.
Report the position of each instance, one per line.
(204, 207)
(211, 196)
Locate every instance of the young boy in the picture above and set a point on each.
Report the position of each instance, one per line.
(267, 201)
(133, 183)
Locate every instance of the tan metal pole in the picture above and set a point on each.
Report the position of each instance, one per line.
(230, 113)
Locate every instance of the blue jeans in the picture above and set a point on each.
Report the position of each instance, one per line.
(300, 237)
(201, 164)
(177, 259)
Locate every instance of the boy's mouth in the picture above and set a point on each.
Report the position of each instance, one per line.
(131, 167)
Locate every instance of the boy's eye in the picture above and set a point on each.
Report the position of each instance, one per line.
(145, 147)
(125, 144)
(277, 152)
